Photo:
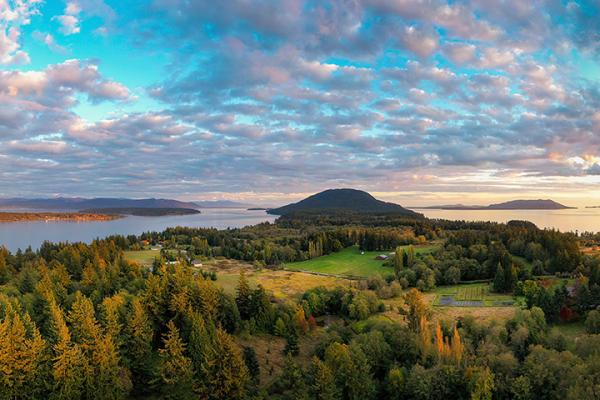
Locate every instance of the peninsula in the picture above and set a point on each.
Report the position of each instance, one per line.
(55, 216)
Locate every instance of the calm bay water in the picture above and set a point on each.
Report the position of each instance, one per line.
(579, 219)
(23, 234)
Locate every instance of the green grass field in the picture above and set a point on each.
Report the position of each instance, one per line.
(144, 257)
(350, 262)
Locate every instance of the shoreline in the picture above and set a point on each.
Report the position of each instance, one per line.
(6, 217)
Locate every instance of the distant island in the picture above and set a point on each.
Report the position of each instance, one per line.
(220, 204)
(27, 217)
(78, 203)
(335, 200)
(142, 211)
(258, 209)
(509, 205)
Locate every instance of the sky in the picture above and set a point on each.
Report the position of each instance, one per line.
(416, 101)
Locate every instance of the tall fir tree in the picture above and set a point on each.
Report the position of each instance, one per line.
(138, 346)
(175, 368)
(22, 351)
(69, 364)
(500, 280)
(227, 375)
(244, 296)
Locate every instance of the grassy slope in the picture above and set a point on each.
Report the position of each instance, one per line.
(350, 262)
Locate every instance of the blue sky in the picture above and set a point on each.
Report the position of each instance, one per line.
(417, 101)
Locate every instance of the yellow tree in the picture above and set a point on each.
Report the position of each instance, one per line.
(176, 372)
(111, 379)
(227, 375)
(416, 308)
(139, 342)
(69, 363)
(84, 326)
(113, 310)
(21, 353)
(457, 347)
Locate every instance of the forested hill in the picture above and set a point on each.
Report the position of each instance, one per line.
(528, 205)
(142, 211)
(343, 199)
(508, 205)
(78, 203)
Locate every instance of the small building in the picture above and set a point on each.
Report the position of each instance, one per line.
(381, 257)
(197, 263)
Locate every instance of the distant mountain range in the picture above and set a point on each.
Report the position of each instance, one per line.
(344, 200)
(141, 211)
(509, 205)
(220, 204)
(77, 203)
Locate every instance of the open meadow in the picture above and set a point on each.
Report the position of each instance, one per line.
(282, 284)
(350, 262)
(144, 257)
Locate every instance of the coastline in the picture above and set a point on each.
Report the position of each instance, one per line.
(6, 217)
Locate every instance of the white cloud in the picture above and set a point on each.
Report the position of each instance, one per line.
(13, 15)
(69, 24)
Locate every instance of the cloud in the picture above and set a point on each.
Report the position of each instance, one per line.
(49, 41)
(69, 24)
(460, 53)
(366, 93)
(419, 42)
(14, 15)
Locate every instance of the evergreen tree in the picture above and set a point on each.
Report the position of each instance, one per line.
(291, 346)
(226, 373)
(200, 341)
(84, 328)
(244, 297)
(69, 363)
(500, 280)
(321, 382)
(175, 369)
(22, 350)
(291, 383)
(252, 364)
(138, 348)
(111, 379)
(280, 328)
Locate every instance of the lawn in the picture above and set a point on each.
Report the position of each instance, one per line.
(144, 257)
(350, 262)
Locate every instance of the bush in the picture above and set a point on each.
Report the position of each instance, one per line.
(592, 322)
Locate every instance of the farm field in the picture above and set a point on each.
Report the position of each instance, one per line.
(470, 295)
(350, 262)
(144, 257)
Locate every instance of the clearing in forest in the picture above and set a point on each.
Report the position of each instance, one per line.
(351, 262)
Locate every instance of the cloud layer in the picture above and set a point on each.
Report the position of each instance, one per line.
(296, 95)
